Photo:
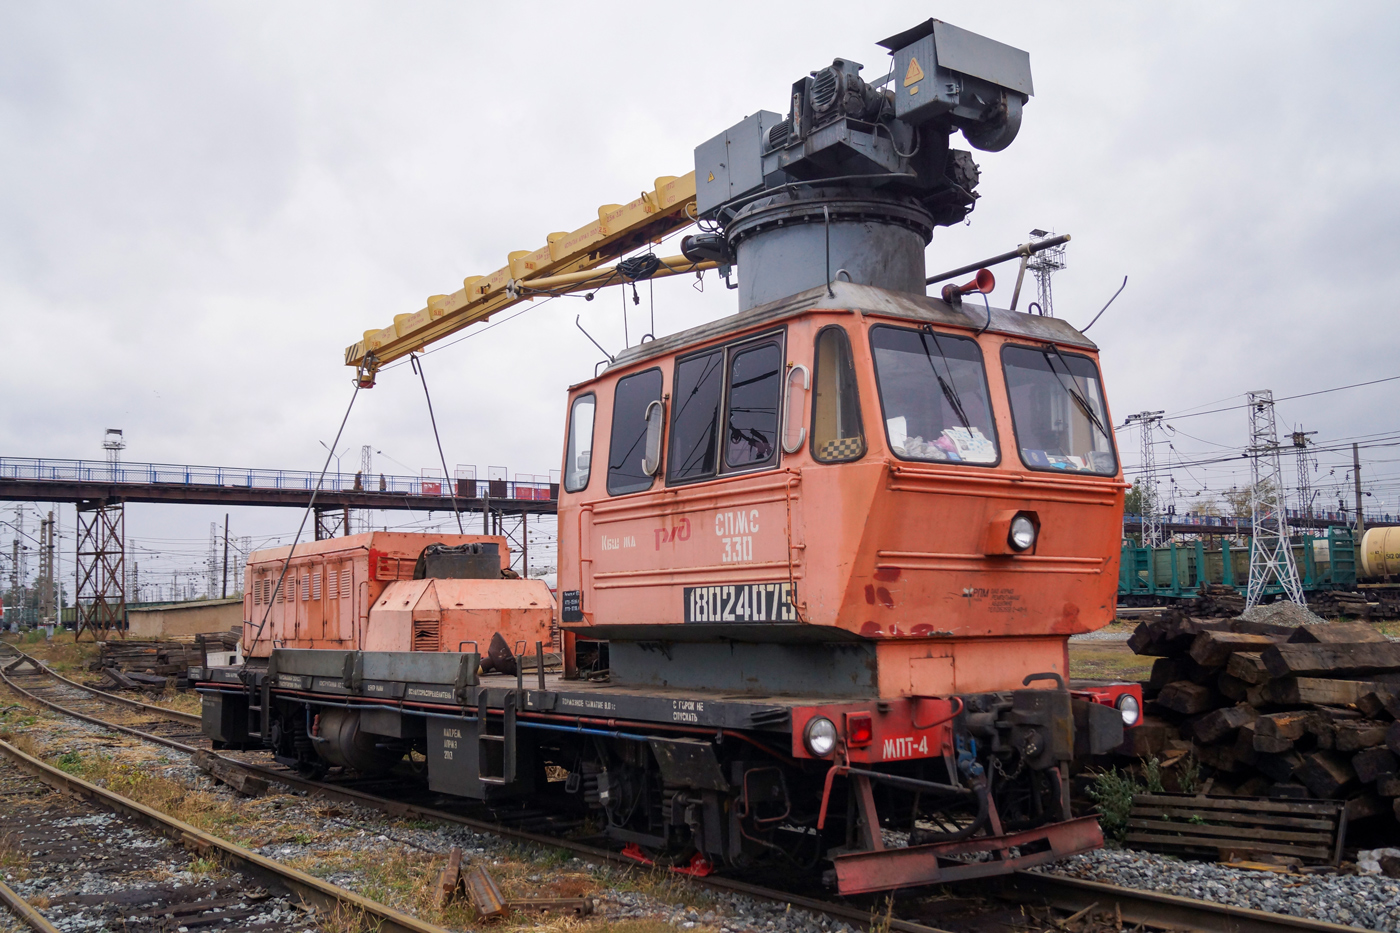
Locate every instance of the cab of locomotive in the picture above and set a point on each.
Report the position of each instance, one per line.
(893, 469)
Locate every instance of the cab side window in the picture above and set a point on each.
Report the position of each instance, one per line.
(629, 430)
(695, 417)
(578, 453)
(837, 432)
(751, 422)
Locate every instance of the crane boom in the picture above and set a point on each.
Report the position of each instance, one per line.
(564, 263)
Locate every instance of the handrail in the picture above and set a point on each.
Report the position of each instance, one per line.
(524, 486)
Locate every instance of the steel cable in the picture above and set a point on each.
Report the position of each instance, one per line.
(446, 477)
(302, 527)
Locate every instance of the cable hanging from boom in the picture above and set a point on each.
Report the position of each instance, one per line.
(309, 506)
(446, 476)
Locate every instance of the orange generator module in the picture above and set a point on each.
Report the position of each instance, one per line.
(391, 591)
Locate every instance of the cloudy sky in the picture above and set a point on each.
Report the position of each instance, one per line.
(202, 204)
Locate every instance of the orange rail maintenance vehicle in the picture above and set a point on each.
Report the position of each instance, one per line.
(819, 561)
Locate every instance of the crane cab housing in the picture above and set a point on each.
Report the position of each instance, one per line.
(820, 494)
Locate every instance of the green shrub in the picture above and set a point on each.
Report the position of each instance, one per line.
(1112, 793)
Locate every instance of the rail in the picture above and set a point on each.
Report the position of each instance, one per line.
(24, 911)
(1155, 909)
(524, 486)
(314, 891)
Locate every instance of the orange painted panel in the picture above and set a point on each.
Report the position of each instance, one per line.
(883, 548)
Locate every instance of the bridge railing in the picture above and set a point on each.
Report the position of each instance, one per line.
(524, 486)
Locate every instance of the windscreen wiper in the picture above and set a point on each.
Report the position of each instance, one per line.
(1069, 387)
(950, 393)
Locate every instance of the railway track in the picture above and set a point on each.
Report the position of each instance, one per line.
(180, 731)
(130, 843)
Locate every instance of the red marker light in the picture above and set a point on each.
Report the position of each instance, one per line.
(859, 729)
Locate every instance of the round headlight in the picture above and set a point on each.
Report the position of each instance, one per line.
(1130, 708)
(1022, 534)
(820, 736)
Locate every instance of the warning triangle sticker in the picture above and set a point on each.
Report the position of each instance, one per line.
(712, 177)
(915, 74)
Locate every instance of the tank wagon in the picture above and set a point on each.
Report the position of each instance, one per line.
(819, 561)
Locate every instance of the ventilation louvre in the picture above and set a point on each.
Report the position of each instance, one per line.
(427, 635)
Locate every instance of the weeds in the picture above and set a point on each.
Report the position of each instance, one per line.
(1112, 793)
(13, 861)
(880, 922)
(205, 810)
(1152, 775)
(204, 866)
(347, 919)
(1189, 776)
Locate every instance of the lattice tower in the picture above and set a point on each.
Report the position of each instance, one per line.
(1271, 556)
(1045, 264)
(16, 573)
(46, 570)
(1305, 494)
(212, 564)
(1148, 499)
(114, 443)
(359, 518)
(101, 592)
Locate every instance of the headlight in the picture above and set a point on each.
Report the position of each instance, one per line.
(1130, 708)
(1022, 534)
(820, 736)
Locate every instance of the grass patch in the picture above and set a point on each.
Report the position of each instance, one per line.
(13, 861)
(186, 701)
(204, 810)
(60, 652)
(1107, 660)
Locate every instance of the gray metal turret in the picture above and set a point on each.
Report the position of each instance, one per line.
(853, 180)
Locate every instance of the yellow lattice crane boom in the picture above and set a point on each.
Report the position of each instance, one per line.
(567, 262)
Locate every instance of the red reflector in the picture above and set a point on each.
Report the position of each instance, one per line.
(859, 729)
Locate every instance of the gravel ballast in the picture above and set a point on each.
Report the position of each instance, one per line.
(1369, 902)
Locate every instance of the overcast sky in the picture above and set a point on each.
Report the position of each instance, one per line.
(202, 204)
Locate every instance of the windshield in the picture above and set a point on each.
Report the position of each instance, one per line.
(933, 391)
(1057, 407)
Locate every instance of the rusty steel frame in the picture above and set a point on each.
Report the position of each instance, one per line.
(332, 522)
(101, 559)
(913, 866)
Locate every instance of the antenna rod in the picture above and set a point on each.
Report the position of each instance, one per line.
(1026, 249)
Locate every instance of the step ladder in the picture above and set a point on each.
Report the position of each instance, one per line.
(495, 741)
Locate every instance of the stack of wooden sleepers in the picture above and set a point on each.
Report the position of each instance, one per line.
(1306, 712)
(146, 664)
